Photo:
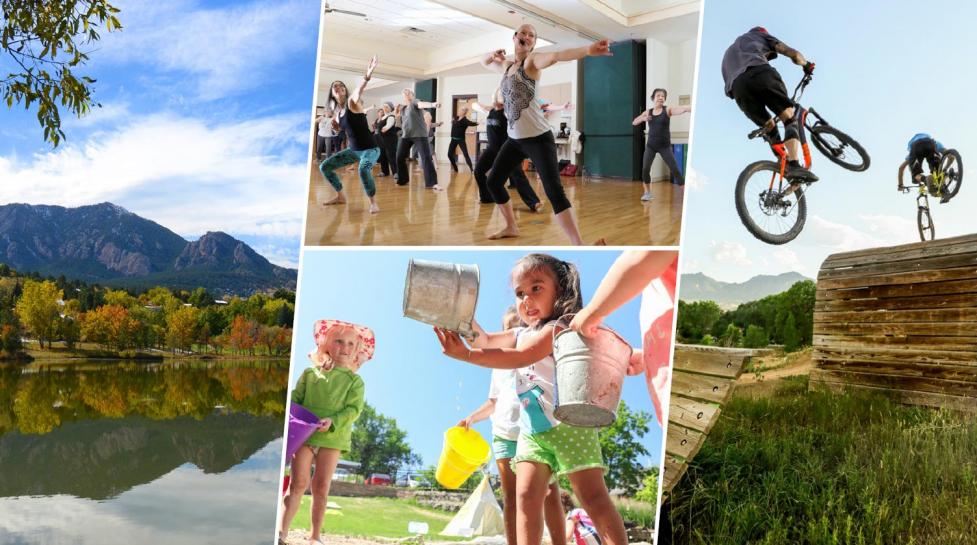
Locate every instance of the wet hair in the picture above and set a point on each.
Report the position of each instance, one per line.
(568, 298)
(511, 318)
(567, 501)
(655, 92)
(333, 103)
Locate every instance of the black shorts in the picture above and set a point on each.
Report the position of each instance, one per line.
(759, 89)
(923, 149)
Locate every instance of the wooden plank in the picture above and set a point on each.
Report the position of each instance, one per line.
(914, 369)
(672, 474)
(931, 264)
(940, 329)
(723, 364)
(941, 301)
(683, 442)
(912, 342)
(921, 278)
(927, 399)
(936, 357)
(894, 253)
(692, 414)
(893, 382)
(904, 247)
(702, 387)
(884, 315)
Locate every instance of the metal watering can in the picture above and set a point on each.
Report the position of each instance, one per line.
(442, 294)
(589, 375)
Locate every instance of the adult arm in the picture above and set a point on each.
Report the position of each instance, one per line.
(902, 170)
(495, 61)
(551, 108)
(479, 414)
(484, 108)
(354, 98)
(642, 117)
(790, 53)
(427, 105)
(541, 61)
(535, 346)
(678, 110)
(629, 274)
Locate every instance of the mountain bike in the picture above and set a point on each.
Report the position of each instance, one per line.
(944, 183)
(771, 206)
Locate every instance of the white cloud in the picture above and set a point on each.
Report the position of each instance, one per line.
(227, 49)
(730, 253)
(874, 230)
(787, 257)
(183, 173)
(696, 181)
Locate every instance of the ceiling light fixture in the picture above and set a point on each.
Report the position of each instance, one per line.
(511, 7)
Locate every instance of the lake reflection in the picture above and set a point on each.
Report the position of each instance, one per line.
(155, 453)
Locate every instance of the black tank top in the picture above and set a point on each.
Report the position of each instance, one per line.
(495, 128)
(358, 130)
(658, 131)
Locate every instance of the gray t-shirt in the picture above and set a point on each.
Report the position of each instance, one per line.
(413, 121)
(755, 48)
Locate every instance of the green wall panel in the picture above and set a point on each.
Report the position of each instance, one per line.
(612, 94)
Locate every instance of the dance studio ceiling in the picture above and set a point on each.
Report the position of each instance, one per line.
(417, 39)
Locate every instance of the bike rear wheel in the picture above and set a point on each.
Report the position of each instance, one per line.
(770, 214)
(927, 231)
(839, 148)
(952, 168)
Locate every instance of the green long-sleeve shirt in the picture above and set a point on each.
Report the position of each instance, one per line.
(337, 394)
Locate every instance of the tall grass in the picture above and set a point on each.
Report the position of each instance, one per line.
(821, 468)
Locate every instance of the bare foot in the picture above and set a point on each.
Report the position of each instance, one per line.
(338, 199)
(374, 208)
(600, 242)
(504, 233)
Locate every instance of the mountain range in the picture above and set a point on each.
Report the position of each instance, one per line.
(699, 287)
(105, 243)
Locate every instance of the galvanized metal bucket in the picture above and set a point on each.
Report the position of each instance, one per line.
(442, 294)
(590, 372)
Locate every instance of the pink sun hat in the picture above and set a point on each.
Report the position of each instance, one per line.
(321, 331)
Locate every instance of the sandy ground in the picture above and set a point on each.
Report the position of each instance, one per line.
(301, 537)
(775, 368)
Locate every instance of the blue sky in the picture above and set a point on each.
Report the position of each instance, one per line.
(204, 123)
(882, 75)
(409, 378)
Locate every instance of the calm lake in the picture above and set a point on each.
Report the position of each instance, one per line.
(140, 453)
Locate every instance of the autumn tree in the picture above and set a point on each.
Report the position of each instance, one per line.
(111, 326)
(38, 308)
(243, 334)
(182, 328)
(45, 42)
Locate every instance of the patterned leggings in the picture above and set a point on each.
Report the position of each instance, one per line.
(367, 159)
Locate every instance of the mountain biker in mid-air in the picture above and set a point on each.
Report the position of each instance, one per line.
(922, 147)
(756, 87)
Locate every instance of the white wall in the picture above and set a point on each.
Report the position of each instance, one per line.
(671, 67)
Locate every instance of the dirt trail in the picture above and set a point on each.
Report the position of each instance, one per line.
(774, 369)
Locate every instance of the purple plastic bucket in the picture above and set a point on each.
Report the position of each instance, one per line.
(302, 423)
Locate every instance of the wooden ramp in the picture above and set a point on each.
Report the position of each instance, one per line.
(900, 320)
(702, 381)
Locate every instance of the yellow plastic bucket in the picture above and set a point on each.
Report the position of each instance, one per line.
(463, 452)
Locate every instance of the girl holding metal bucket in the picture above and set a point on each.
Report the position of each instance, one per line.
(333, 390)
(546, 288)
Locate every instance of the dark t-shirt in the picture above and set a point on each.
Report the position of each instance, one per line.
(754, 48)
(358, 130)
(459, 126)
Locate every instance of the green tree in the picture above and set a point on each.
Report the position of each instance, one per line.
(792, 337)
(47, 41)
(649, 487)
(697, 318)
(755, 337)
(732, 336)
(621, 445)
(379, 445)
(39, 310)
(200, 298)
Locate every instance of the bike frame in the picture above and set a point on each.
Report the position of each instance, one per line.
(801, 118)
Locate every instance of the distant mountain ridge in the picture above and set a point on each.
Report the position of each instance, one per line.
(106, 243)
(700, 287)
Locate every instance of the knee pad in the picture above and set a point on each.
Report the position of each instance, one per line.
(773, 136)
(791, 129)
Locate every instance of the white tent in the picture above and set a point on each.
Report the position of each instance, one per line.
(480, 516)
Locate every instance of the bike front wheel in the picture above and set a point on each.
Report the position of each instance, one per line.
(767, 206)
(839, 148)
(927, 231)
(952, 168)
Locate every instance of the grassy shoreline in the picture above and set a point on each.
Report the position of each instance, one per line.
(87, 352)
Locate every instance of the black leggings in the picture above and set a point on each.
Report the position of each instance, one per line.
(424, 155)
(542, 151)
(516, 177)
(389, 147)
(665, 150)
(385, 161)
(454, 158)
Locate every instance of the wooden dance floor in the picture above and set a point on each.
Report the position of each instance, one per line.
(414, 216)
